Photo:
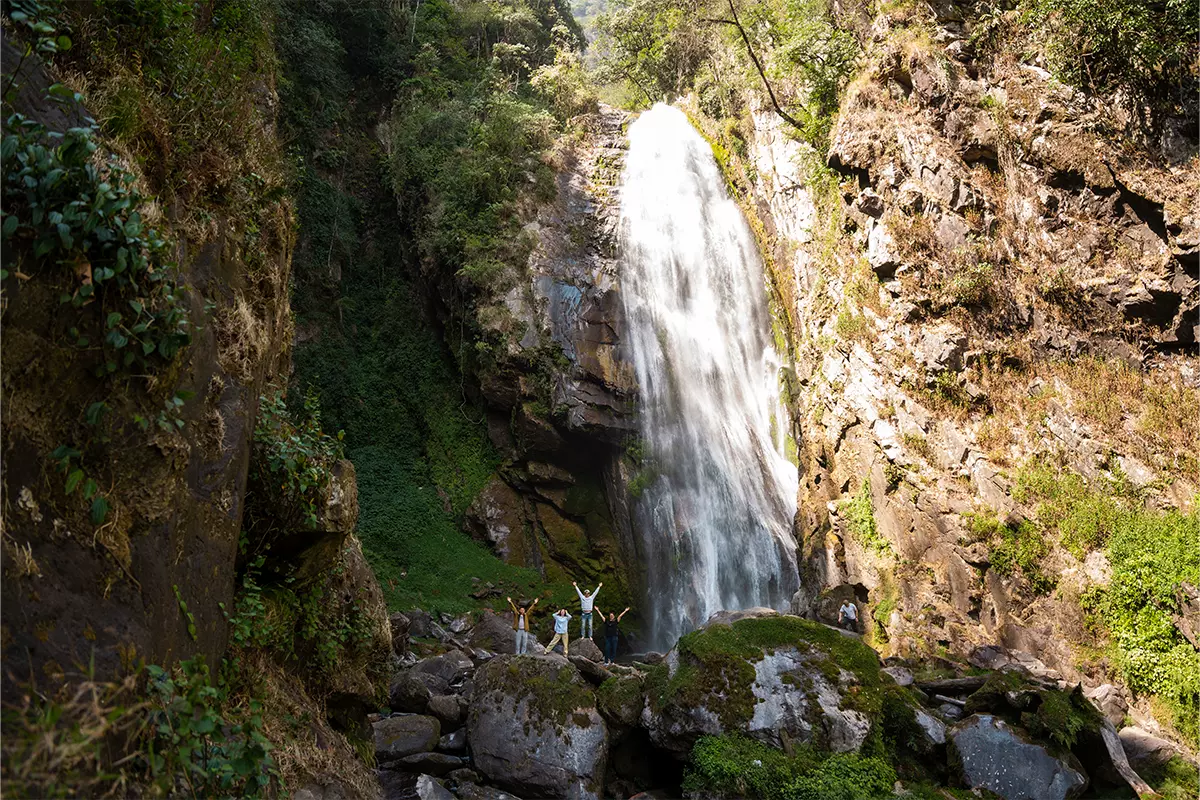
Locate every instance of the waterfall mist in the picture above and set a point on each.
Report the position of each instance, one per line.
(715, 514)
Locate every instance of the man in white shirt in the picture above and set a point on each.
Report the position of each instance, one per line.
(848, 616)
(586, 600)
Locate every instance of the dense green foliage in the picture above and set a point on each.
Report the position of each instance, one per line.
(666, 49)
(1149, 50)
(735, 766)
(1152, 554)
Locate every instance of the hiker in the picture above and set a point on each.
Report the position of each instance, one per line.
(521, 625)
(561, 618)
(585, 609)
(848, 616)
(611, 634)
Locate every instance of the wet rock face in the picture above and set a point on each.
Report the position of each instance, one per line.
(996, 758)
(534, 728)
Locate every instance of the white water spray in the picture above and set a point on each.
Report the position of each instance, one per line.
(716, 516)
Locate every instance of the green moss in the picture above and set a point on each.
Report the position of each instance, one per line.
(860, 513)
(557, 692)
(1054, 717)
(620, 698)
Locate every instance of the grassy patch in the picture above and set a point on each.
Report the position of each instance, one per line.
(735, 766)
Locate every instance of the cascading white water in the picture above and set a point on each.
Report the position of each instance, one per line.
(715, 519)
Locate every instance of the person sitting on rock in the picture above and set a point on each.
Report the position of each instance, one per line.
(521, 625)
(585, 609)
(611, 634)
(848, 616)
(561, 618)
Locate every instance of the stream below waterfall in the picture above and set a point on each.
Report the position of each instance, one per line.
(717, 494)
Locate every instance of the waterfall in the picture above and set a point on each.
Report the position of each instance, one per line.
(717, 495)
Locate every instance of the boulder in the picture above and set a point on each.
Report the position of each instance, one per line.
(494, 632)
(454, 742)
(534, 728)
(586, 648)
(448, 708)
(774, 678)
(403, 735)
(429, 789)
(900, 675)
(995, 757)
(410, 691)
(438, 764)
(453, 667)
(590, 669)
(473, 791)
(419, 623)
(621, 700)
(1144, 749)
(942, 348)
(1110, 700)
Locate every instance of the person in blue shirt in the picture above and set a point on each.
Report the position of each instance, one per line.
(561, 619)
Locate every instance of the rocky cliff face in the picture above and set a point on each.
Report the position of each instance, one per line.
(991, 278)
(113, 591)
(558, 386)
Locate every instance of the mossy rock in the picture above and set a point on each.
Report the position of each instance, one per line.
(775, 678)
(621, 699)
(534, 728)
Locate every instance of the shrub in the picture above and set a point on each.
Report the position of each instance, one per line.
(735, 766)
(1147, 49)
(293, 453)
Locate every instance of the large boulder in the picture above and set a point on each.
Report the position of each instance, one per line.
(494, 632)
(587, 649)
(404, 735)
(453, 667)
(411, 690)
(534, 728)
(995, 757)
(774, 678)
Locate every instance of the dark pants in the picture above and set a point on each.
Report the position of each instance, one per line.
(850, 625)
(610, 647)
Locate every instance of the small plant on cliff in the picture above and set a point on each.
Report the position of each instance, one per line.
(860, 515)
(293, 456)
(65, 212)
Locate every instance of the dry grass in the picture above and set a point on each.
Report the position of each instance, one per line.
(65, 743)
(309, 752)
(1162, 412)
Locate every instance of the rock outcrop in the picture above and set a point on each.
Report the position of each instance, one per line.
(996, 758)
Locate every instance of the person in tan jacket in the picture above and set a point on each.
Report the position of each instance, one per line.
(521, 624)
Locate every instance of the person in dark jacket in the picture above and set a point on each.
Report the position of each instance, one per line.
(611, 634)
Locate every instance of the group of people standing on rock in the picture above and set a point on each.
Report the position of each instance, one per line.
(587, 606)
